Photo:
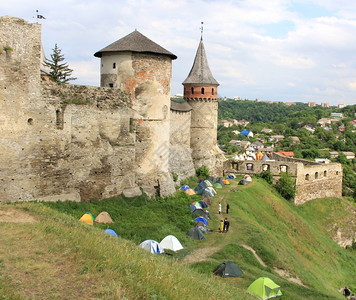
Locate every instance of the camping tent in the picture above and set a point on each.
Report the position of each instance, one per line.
(152, 246)
(171, 242)
(207, 200)
(196, 234)
(184, 187)
(103, 218)
(243, 181)
(111, 232)
(221, 181)
(264, 288)
(227, 269)
(226, 182)
(248, 178)
(201, 213)
(203, 204)
(190, 192)
(217, 186)
(231, 176)
(201, 219)
(265, 157)
(87, 218)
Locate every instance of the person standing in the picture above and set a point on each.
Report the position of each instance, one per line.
(226, 225)
(221, 226)
(227, 208)
(219, 208)
(346, 292)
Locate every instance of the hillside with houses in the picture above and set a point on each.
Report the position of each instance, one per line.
(315, 133)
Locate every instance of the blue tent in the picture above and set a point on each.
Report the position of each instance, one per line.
(230, 177)
(111, 232)
(184, 187)
(201, 219)
(203, 204)
(192, 207)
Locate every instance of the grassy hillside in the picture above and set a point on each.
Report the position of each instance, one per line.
(60, 257)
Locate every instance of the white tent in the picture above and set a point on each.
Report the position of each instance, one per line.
(152, 246)
(171, 242)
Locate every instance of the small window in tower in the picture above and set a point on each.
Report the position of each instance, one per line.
(202, 91)
(114, 65)
(212, 91)
(59, 119)
(192, 91)
(30, 121)
(111, 85)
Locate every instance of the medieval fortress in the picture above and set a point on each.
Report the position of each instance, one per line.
(72, 142)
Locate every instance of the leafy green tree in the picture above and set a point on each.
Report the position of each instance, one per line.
(266, 175)
(285, 186)
(202, 172)
(60, 71)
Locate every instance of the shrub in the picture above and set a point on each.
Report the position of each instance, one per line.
(266, 175)
(175, 177)
(285, 186)
(202, 172)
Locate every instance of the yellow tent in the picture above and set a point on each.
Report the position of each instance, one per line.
(190, 192)
(259, 155)
(87, 218)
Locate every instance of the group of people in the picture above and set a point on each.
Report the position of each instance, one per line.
(224, 223)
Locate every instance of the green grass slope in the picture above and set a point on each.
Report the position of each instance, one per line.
(58, 255)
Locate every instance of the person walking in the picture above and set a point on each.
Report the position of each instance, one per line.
(227, 208)
(219, 208)
(221, 226)
(346, 292)
(226, 225)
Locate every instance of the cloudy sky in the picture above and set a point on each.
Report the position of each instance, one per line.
(277, 50)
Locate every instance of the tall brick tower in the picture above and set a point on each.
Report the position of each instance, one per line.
(200, 91)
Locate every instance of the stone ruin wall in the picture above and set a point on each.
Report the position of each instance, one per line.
(313, 180)
(180, 154)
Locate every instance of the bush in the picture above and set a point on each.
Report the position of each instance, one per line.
(175, 177)
(202, 172)
(266, 175)
(285, 186)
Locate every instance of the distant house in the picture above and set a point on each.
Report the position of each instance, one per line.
(324, 121)
(322, 160)
(286, 153)
(341, 105)
(236, 132)
(276, 138)
(243, 144)
(334, 154)
(336, 115)
(295, 139)
(247, 133)
(224, 123)
(242, 122)
(325, 104)
(341, 128)
(233, 142)
(290, 103)
(266, 130)
(310, 128)
(257, 145)
(349, 155)
(311, 104)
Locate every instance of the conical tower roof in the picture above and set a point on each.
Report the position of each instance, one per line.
(200, 73)
(135, 42)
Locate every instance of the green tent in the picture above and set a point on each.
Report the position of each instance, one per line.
(264, 288)
(227, 269)
(196, 234)
(217, 186)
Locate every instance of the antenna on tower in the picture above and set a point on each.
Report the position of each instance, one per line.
(201, 30)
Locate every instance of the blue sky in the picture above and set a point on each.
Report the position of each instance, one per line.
(276, 50)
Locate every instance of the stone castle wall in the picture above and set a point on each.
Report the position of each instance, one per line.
(180, 154)
(313, 180)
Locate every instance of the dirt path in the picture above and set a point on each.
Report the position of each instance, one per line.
(13, 215)
(200, 254)
(255, 254)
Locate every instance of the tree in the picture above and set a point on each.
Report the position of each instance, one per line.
(60, 71)
(285, 186)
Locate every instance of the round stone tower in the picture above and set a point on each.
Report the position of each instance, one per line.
(200, 91)
(143, 68)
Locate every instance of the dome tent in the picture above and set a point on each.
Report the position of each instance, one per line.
(171, 242)
(87, 218)
(227, 269)
(103, 218)
(111, 232)
(196, 234)
(152, 246)
(264, 288)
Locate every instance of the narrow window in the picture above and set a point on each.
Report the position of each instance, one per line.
(202, 91)
(249, 167)
(337, 172)
(325, 173)
(114, 65)
(212, 91)
(111, 85)
(316, 175)
(192, 91)
(59, 119)
(306, 176)
(30, 121)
